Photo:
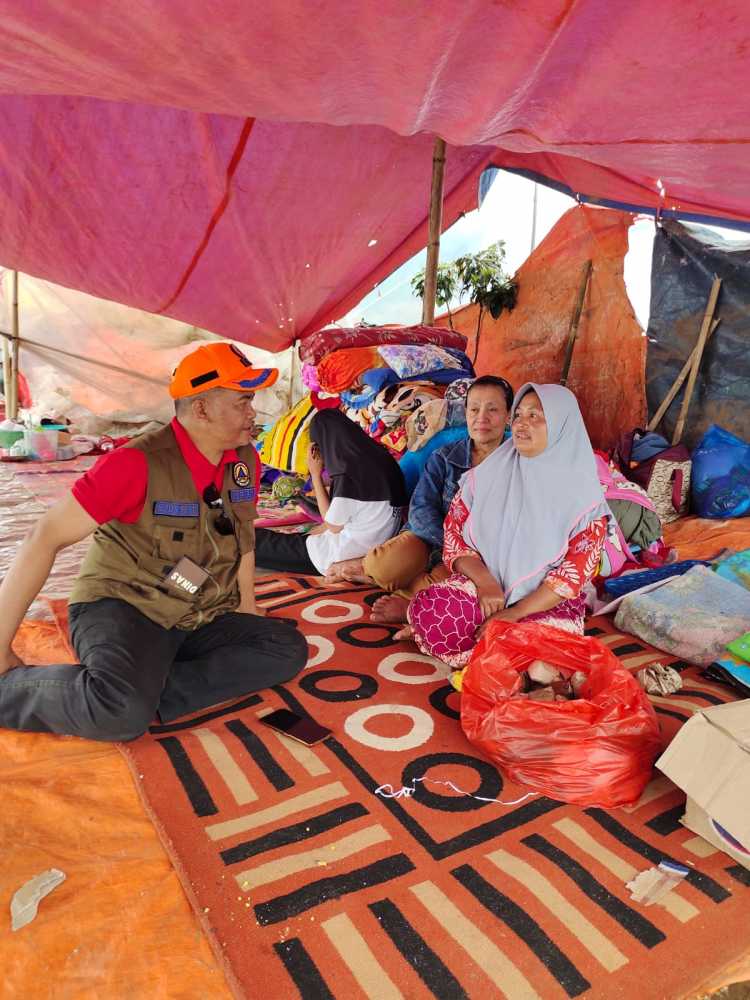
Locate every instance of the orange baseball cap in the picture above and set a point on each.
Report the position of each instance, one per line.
(218, 366)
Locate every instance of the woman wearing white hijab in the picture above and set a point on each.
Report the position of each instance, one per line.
(524, 533)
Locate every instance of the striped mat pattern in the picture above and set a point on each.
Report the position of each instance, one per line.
(310, 885)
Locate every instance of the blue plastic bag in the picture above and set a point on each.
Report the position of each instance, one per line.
(721, 475)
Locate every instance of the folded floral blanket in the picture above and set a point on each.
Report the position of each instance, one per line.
(317, 345)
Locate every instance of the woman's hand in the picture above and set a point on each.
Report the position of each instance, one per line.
(505, 615)
(491, 598)
(314, 460)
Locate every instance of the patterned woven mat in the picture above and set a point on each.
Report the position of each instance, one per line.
(49, 482)
(308, 883)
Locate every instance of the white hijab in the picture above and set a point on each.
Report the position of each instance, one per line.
(524, 511)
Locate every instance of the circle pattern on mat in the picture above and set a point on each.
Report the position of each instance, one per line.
(368, 686)
(349, 613)
(325, 650)
(439, 701)
(388, 668)
(420, 732)
(347, 635)
(370, 598)
(490, 782)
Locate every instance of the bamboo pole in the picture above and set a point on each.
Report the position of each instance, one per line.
(292, 371)
(6, 372)
(697, 358)
(435, 226)
(11, 391)
(575, 320)
(677, 384)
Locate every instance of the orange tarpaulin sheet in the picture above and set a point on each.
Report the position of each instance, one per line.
(120, 925)
(528, 344)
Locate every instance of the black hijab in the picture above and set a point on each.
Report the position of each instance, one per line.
(360, 468)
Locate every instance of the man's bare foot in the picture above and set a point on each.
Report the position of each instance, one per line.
(389, 608)
(406, 633)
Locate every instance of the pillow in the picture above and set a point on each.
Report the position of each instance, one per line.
(425, 422)
(458, 391)
(310, 377)
(692, 617)
(286, 487)
(285, 444)
(408, 360)
(395, 402)
(372, 382)
(413, 462)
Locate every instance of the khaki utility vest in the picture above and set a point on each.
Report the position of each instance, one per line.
(132, 561)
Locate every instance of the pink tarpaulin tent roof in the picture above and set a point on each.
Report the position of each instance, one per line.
(256, 168)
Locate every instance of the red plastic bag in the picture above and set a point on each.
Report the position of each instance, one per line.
(597, 749)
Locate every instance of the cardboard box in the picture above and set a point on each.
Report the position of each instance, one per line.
(710, 760)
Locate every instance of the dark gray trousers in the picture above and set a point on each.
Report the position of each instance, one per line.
(131, 669)
(283, 553)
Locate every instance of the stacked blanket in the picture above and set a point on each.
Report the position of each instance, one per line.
(317, 345)
(401, 385)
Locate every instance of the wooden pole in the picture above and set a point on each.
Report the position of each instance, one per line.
(436, 224)
(11, 391)
(677, 384)
(575, 320)
(697, 358)
(292, 371)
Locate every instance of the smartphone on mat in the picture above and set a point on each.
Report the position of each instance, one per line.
(306, 731)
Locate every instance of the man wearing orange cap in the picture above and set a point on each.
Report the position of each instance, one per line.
(162, 615)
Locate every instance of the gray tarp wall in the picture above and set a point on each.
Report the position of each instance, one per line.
(684, 264)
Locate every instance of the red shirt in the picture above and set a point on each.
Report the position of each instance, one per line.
(115, 488)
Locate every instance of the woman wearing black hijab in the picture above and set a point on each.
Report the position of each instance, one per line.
(364, 507)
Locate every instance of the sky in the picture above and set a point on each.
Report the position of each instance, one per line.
(507, 214)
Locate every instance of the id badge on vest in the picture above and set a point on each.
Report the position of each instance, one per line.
(186, 577)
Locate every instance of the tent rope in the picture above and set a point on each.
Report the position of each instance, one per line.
(22, 341)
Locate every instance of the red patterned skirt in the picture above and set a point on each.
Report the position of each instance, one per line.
(445, 618)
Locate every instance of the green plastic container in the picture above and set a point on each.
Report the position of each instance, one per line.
(8, 438)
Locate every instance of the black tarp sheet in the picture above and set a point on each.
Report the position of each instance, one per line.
(685, 262)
